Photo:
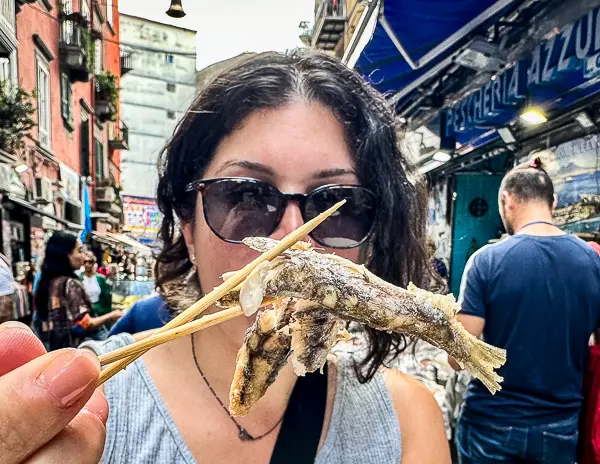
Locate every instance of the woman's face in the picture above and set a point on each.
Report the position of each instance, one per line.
(77, 257)
(296, 148)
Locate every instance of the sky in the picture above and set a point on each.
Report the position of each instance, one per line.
(226, 28)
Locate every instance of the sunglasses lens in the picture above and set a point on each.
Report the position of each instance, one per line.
(236, 209)
(351, 224)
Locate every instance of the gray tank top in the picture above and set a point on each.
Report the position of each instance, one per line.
(364, 427)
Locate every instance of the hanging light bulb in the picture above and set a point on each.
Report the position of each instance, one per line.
(176, 10)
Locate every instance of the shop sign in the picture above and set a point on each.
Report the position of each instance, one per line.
(70, 180)
(574, 51)
(140, 215)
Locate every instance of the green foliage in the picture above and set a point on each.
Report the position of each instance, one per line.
(16, 116)
(90, 50)
(107, 90)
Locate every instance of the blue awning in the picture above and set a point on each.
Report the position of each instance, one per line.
(428, 32)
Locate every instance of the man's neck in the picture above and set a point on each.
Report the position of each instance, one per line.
(88, 274)
(542, 217)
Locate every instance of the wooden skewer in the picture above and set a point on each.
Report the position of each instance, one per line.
(144, 345)
(219, 292)
(147, 343)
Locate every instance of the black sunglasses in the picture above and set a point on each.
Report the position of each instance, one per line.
(240, 207)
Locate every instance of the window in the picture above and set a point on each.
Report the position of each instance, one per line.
(171, 114)
(170, 59)
(99, 160)
(66, 98)
(5, 69)
(85, 9)
(98, 57)
(67, 6)
(43, 90)
(170, 87)
(109, 12)
(85, 145)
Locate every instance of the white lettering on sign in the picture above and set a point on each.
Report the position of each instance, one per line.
(563, 62)
(548, 71)
(582, 51)
(533, 74)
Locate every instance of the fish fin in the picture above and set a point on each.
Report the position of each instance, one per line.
(483, 359)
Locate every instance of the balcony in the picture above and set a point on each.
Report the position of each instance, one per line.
(75, 50)
(126, 64)
(119, 136)
(107, 97)
(330, 23)
(7, 21)
(107, 201)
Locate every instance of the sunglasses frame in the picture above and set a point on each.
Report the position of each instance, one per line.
(201, 186)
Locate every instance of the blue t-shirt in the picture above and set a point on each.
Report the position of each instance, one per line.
(146, 314)
(540, 298)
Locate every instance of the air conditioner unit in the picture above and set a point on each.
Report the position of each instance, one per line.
(43, 192)
(105, 194)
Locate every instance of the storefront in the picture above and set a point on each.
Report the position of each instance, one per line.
(508, 81)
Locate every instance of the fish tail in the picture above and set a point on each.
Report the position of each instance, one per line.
(482, 360)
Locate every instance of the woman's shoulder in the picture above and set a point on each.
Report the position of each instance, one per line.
(420, 418)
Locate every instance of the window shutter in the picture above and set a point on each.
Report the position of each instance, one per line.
(85, 148)
(64, 96)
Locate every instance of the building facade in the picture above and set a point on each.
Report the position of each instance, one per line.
(154, 96)
(68, 57)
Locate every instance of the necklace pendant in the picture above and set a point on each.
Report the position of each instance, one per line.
(244, 435)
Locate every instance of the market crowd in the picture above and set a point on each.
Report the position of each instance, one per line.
(307, 124)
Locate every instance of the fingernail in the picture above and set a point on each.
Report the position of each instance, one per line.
(14, 325)
(68, 377)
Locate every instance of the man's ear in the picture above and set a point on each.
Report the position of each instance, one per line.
(187, 230)
(555, 202)
(507, 199)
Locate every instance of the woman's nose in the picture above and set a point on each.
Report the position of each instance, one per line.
(291, 220)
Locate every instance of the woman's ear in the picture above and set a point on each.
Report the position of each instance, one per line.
(187, 230)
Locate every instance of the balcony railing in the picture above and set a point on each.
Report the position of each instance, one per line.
(330, 23)
(75, 47)
(119, 136)
(7, 16)
(126, 64)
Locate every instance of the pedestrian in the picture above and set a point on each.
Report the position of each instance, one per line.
(98, 292)
(294, 123)
(95, 286)
(7, 289)
(64, 311)
(536, 294)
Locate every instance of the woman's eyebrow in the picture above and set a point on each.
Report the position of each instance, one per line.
(250, 165)
(335, 172)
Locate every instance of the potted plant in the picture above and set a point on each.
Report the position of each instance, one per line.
(107, 96)
(16, 116)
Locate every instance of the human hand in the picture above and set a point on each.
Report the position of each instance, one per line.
(116, 314)
(50, 409)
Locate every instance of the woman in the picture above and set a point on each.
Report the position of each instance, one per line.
(63, 309)
(96, 286)
(294, 124)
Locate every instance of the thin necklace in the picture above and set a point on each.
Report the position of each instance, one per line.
(243, 434)
(535, 223)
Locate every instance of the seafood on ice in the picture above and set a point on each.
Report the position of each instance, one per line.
(321, 293)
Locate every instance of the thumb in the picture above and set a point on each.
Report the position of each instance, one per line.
(41, 397)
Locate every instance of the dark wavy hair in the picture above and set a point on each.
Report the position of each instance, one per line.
(56, 264)
(394, 252)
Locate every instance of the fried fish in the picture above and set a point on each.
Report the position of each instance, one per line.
(334, 290)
